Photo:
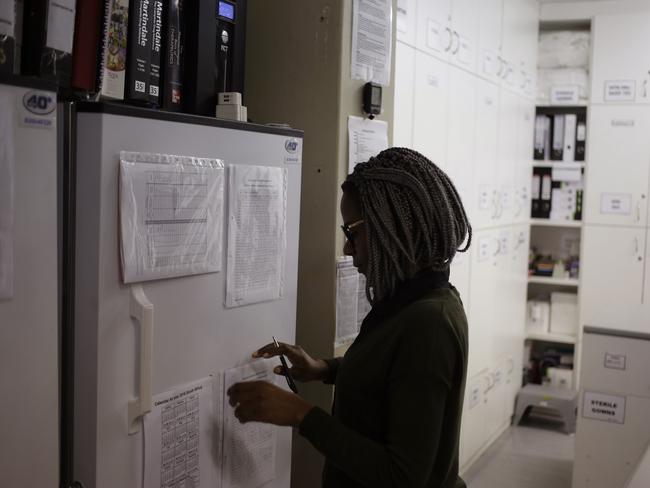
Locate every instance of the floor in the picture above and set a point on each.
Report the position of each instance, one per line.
(533, 455)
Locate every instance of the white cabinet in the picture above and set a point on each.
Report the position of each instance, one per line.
(489, 44)
(621, 60)
(433, 30)
(485, 199)
(612, 278)
(406, 22)
(506, 155)
(404, 83)
(525, 113)
(430, 108)
(473, 434)
(459, 276)
(618, 169)
(519, 45)
(465, 31)
(460, 135)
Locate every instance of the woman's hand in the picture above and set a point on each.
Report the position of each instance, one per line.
(303, 367)
(259, 401)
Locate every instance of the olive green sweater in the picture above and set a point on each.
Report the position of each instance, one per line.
(399, 394)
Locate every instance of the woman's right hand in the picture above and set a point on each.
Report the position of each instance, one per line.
(303, 367)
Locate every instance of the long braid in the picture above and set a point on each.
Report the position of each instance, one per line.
(414, 217)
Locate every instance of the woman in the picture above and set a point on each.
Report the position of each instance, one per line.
(399, 388)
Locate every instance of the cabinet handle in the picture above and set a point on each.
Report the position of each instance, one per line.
(451, 39)
(645, 88)
(455, 51)
(638, 212)
(141, 309)
(500, 59)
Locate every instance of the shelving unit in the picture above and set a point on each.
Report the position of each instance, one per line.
(575, 224)
(558, 164)
(549, 280)
(548, 337)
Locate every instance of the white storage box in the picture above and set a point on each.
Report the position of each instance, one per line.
(564, 313)
(561, 379)
(538, 316)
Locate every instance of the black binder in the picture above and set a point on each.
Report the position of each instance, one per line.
(138, 59)
(172, 64)
(546, 192)
(156, 52)
(581, 137)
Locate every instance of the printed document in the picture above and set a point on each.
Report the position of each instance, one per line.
(180, 440)
(371, 40)
(249, 449)
(366, 138)
(171, 215)
(347, 299)
(6, 197)
(256, 234)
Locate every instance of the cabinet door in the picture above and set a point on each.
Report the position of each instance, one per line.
(495, 408)
(485, 204)
(434, 34)
(501, 335)
(621, 61)
(459, 276)
(460, 136)
(520, 243)
(526, 53)
(489, 45)
(473, 434)
(507, 155)
(430, 108)
(525, 113)
(404, 81)
(611, 282)
(619, 162)
(646, 282)
(464, 24)
(482, 310)
(406, 24)
(511, 39)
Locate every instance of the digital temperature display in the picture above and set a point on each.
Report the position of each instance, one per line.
(227, 10)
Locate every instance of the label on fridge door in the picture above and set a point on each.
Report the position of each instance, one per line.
(605, 408)
(620, 90)
(37, 110)
(565, 95)
(615, 361)
(616, 203)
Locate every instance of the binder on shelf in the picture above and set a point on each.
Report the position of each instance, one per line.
(138, 57)
(581, 137)
(535, 210)
(557, 146)
(46, 49)
(10, 28)
(85, 52)
(568, 154)
(172, 65)
(541, 135)
(112, 72)
(156, 53)
(545, 194)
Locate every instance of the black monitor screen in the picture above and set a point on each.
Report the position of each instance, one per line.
(227, 10)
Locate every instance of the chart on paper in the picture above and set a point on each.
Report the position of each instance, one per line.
(171, 212)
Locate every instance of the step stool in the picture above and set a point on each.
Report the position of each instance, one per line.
(564, 402)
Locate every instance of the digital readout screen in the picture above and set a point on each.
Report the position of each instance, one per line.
(227, 10)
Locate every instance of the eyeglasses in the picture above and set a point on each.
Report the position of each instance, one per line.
(347, 230)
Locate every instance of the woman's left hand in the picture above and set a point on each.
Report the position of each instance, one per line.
(260, 401)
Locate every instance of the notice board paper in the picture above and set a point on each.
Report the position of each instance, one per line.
(366, 138)
(256, 234)
(347, 300)
(371, 40)
(6, 198)
(171, 215)
(249, 449)
(179, 438)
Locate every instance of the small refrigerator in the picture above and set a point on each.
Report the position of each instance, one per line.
(191, 333)
(29, 284)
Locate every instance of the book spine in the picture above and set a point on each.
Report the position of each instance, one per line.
(174, 39)
(139, 50)
(558, 138)
(114, 43)
(581, 137)
(156, 53)
(539, 137)
(568, 156)
(88, 26)
(8, 12)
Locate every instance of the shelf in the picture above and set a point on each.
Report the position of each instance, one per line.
(568, 105)
(548, 280)
(558, 164)
(548, 337)
(576, 224)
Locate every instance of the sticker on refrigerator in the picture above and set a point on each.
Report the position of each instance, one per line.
(171, 215)
(620, 90)
(615, 361)
(616, 203)
(37, 110)
(292, 151)
(602, 407)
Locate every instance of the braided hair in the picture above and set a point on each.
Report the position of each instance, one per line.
(414, 218)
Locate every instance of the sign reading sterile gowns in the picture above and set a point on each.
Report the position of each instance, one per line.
(256, 234)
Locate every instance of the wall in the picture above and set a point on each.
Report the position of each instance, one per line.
(298, 72)
(578, 11)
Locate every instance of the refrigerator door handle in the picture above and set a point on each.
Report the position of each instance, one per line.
(141, 309)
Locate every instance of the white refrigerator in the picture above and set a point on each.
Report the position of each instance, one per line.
(29, 285)
(193, 335)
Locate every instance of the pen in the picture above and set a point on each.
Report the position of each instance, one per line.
(285, 369)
